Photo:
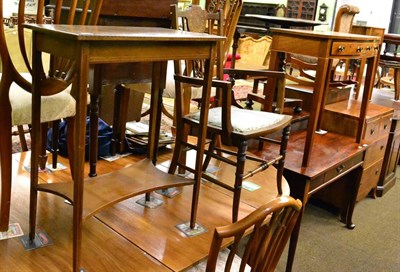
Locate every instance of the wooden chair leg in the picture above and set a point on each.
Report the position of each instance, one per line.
(281, 163)
(240, 162)
(6, 166)
(211, 149)
(54, 142)
(94, 133)
(43, 153)
(22, 139)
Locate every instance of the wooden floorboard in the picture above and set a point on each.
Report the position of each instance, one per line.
(111, 239)
(103, 248)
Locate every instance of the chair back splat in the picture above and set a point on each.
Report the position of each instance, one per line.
(270, 227)
(15, 85)
(231, 12)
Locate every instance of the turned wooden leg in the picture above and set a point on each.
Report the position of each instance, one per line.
(22, 140)
(94, 134)
(121, 103)
(241, 158)
(54, 142)
(281, 163)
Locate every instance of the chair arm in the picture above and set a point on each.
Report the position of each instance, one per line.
(199, 81)
(264, 73)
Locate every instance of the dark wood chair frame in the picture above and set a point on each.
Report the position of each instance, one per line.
(229, 137)
(270, 227)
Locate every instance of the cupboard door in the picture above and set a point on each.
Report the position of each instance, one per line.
(304, 9)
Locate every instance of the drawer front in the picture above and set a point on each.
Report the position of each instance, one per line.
(369, 179)
(365, 49)
(315, 183)
(384, 125)
(342, 168)
(371, 132)
(375, 151)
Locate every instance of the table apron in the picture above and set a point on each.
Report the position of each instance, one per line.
(323, 48)
(148, 51)
(125, 51)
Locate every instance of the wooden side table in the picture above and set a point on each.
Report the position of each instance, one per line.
(326, 46)
(95, 45)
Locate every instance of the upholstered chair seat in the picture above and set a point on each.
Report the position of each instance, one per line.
(53, 107)
(243, 121)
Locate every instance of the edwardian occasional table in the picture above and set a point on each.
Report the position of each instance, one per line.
(326, 46)
(96, 45)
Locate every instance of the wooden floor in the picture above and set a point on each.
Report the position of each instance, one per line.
(127, 236)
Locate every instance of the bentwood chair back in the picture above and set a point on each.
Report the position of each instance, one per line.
(15, 87)
(267, 229)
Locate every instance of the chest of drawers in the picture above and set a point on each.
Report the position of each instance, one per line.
(341, 118)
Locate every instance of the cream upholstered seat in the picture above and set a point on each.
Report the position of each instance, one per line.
(242, 120)
(53, 107)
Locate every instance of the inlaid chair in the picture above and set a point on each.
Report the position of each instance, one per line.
(15, 88)
(270, 227)
(235, 127)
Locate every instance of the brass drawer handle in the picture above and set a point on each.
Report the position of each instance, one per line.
(382, 146)
(369, 48)
(340, 168)
(376, 172)
(359, 49)
(341, 48)
(385, 126)
(372, 131)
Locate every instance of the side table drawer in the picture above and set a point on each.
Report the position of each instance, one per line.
(342, 168)
(375, 151)
(354, 49)
(369, 179)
